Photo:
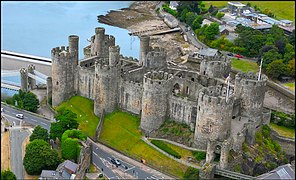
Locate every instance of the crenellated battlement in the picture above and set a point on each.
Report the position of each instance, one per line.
(132, 83)
(157, 77)
(101, 67)
(215, 95)
(250, 79)
(125, 58)
(60, 52)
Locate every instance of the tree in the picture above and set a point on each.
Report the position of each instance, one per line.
(281, 45)
(197, 22)
(289, 53)
(219, 15)
(292, 38)
(39, 133)
(66, 119)
(190, 17)
(270, 56)
(276, 69)
(70, 145)
(291, 68)
(210, 8)
(183, 14)
(211, 31)
(40, 156)
(26, 100)
(8, 175)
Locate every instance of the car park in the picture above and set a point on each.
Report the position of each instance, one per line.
(21, 116)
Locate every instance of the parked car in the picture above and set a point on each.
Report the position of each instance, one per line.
(229, 54)
(116, 162)
(2, 110)
(238, 56)
(21, 116)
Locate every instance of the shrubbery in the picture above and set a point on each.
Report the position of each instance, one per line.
(167, 9)
(283, 119)
(199, 155)
(24, 100)
(166, 148)
(191, 173)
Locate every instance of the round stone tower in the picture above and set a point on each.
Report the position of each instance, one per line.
(97, 47)
(73, 48)
(215, 67)
(251, 91)
(24, 79)
(106, 88)
(155, 58)
(114, 52)
(154, 101)
(144, 47)
(31, 81)
(60, 63)
(214, 115)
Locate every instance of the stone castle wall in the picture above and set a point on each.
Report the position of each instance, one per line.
(86, 82)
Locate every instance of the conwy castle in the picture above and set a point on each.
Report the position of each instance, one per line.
(222, 113)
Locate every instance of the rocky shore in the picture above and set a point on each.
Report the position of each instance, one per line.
(141, 16)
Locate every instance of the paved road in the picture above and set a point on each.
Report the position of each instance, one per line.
(102, 159)
(29, 118)
(17, 137)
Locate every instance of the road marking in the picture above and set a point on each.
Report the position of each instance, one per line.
(34, 120)
(130, 168)
(43, 123)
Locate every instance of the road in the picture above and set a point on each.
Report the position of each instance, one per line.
(28, 118)
(17, 137)
(102, 159)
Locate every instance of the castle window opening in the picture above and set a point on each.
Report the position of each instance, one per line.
(176, 88)
(85, 65)
(187, 90)
(233, 117)
(90, 64)
(192, 79)
(57, 83)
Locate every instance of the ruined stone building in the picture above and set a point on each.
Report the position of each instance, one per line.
(222, 115)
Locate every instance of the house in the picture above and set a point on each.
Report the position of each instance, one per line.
(65, 170)
(208, 52)
(236, 7)
(170, 20)
(285, 23)
(282, 172)
(223, 30)
(173, 5)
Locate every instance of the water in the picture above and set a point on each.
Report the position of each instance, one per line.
(36, 27)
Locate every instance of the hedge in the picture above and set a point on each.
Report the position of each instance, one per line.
(165, 148)
(199, 155)
(283, 119)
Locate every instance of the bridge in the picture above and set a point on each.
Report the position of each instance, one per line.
(10, 85)
(152, 32)
(231, 174)
(14, 61)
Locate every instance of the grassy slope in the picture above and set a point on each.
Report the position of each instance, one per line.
(244, 65)
(291, 86)
(83, 107)
(282, 9)
(283, 131)
(120, 130)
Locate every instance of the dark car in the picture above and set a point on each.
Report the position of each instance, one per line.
(238, 56)
(229, 54)
(116, 162)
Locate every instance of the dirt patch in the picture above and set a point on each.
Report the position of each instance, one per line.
(5, 151)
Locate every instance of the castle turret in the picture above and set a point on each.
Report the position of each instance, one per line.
(144, 48)
(73, 47)
(155, 58)
(114, 52)
(251, 92)
(106, 88)
(31, 81)
(214, 115)
(24, 79)
(100, 43)
(155, 99)
(215, 67)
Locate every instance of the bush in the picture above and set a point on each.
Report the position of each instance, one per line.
(7, 174)
(199, 155)
(283, 119)
(237, 168)
(167, 9)
(166, 148)
(191, 173)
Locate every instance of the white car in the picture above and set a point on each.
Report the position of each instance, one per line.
(2, 110)
(21, 116)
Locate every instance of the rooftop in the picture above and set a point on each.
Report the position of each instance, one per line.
(281, 172)
(208, 52)
(286, 21)
(237, 4)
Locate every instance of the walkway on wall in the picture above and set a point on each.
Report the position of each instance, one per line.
(170, 156)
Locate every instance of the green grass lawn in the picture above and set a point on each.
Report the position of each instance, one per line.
(283, 131)
(244, 65)
(281, 9)
(183, 152)
(120, 131)
(291, 86)
(84, 108)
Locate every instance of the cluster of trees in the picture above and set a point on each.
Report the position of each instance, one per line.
(24, 100)
(7, 174)
(66, 119)
(70, 145)
(39, 154)
(283, 119)
(207, 33)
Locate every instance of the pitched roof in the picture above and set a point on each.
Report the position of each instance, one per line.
(281, 172)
